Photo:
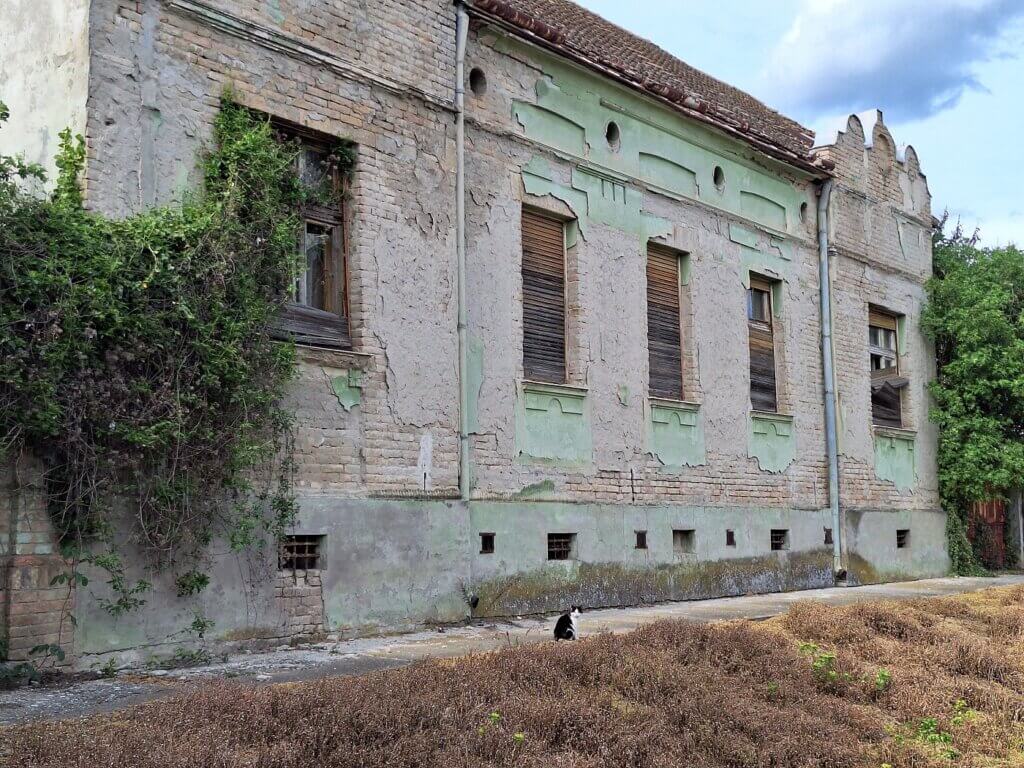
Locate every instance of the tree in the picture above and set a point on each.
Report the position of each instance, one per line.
(975, 315)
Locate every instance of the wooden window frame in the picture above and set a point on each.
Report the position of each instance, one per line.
(304, 324)
(539, 345)
(886, 383)
(663, 352)
(761, 334)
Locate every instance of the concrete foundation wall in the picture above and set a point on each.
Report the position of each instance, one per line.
(44, 72)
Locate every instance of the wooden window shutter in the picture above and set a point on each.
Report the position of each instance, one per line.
(543, 298)
(664, 335)
(763, 395)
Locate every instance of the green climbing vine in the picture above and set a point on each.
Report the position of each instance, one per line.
(975, 315)
(137, 361)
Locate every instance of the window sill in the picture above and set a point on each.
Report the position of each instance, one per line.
(771, 416)
(676, 405)
(530, 385)
(901, 433)
(334, 358)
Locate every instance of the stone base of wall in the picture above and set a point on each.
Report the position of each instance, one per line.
(299, 596)
(38, 611)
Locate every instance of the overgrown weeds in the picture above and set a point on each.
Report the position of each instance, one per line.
(920, 684)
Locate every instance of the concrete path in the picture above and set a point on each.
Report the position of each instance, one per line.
(357, 657)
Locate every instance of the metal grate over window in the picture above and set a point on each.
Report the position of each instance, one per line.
(780, 539)
(561, 546)
(299, 553)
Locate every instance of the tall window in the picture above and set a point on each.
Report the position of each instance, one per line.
(543, 298)
(664, 333)
(761, 330)
(884, 360)
(318, 311)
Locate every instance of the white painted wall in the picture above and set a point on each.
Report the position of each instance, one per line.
(44, 71)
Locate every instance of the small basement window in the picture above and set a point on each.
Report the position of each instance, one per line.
(902, 538)
(730, 538)
(561, 546)
(828, 536)
(486, 543)
(780, 539)
(684, 542)
(299, 553)
(477, 82)
(641, 539)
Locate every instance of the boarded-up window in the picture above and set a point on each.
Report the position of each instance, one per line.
(317, 310)
(664, 335)
(543, 298)
(762, 346)
(884, 361)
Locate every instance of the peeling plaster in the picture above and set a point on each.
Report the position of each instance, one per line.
(772, 441)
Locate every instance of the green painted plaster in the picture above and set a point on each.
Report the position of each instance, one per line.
(553, 424)
(658, 147)
(348, 388)
(894, 457)
(543, 488)
(772, 441)
(676, 434)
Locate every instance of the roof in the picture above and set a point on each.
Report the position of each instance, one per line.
(585, 36)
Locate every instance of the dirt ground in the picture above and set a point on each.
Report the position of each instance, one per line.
(926, 682)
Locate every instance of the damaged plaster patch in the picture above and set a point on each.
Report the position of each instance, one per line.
(772, 441)
(347, 386)
(426, 457)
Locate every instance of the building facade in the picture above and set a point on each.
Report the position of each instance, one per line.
(634, 409)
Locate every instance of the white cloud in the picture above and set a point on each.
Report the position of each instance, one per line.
(912, 58)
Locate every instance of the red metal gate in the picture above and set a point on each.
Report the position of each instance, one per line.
(985, 528)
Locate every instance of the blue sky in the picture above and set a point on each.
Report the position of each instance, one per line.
(946, 73)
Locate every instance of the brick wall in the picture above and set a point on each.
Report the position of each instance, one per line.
(33, 610)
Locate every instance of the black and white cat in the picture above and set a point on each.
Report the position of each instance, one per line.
(567, 628)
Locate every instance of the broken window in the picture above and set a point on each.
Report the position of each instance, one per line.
(544, 325)
(884, 360)
(761, 331)
(561, 546)
(779, 539)
(317, 310)
(299, 553)
(664, 329)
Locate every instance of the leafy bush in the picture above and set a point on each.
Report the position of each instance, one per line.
(136, 358)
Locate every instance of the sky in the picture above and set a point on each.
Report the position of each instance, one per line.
(947, 75)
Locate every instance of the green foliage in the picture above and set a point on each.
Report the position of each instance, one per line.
(975, 315)
(823, 665)
(136, 359)
(883, 680)
(191, 583)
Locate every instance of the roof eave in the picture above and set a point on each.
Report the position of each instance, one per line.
(816, 167)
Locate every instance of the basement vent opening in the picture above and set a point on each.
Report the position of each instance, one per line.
(299, 553)
(477, 82)
(730, 538)
(486, 543)
(902, 538)
(561, 546)
(803, 212)
(780, 539)
(641, 539)
(684, 542)
(828, 536)
(613, 136)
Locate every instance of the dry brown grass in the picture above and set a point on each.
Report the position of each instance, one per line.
(671, 694)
